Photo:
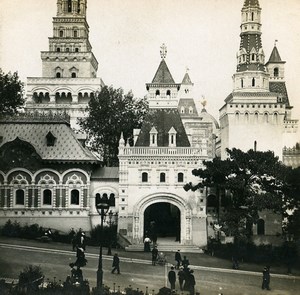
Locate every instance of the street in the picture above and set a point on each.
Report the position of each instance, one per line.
(138, 273)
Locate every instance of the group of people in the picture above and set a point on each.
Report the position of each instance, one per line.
(185, 275)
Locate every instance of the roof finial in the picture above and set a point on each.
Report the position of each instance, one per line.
(275, 43)
(203, 101)
(187, 69)
(163, 51)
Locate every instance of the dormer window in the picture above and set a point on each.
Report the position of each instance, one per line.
(50, 139)
(182, 110)
(190, 110)
(253, 57)
(172, 137)
(153, 136)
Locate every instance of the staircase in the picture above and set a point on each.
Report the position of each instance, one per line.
(167, 245)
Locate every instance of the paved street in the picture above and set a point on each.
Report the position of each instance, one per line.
(138, 273)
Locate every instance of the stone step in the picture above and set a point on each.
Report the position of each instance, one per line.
(167, 248)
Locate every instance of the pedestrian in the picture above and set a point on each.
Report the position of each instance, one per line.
(147, 242)
(72, 238)
(178, 258)
(185, 262)
(154, 255)
(181, 276)
(192, 282)
(116, 264)
(266, 278)
(83, 240)
(172, 278)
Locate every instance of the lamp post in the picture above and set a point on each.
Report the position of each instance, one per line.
(102, 206)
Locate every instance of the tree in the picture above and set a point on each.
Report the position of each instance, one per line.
(253, 181)
(111, 113)
(11, 93)
(30, 278)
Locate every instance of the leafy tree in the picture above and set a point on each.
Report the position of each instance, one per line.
(11, 93)
(110, 114)
(253, 181)
(30, 278)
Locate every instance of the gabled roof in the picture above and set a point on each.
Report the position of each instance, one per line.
(275, 57)
(163, 120)
(163, 75)
(65, 149)
(187, 80)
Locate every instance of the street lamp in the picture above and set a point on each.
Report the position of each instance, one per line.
(110, 216)
(102, 206)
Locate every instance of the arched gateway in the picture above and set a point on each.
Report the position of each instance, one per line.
(142, 208)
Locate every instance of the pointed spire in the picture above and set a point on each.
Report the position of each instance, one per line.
(186, 79)
(275, 56)
(163, 75)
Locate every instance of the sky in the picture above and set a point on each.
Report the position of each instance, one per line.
(126, 35)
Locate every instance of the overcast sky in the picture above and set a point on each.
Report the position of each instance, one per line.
(126, 36)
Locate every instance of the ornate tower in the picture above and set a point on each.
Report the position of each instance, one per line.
(69, 67)
(256, 113)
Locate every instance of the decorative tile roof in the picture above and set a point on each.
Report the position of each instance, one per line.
(163, 75)
(66, 147)
(251, 3)
(280, 87)
(163, 120)
(106, 173)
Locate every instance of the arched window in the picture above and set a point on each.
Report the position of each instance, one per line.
(260, 227)
(253, 82)
(168, 93)
(172, 139)
(237, 117)
(256, 118)
(74, 197)
(190, 110)
(69, 5)
(58, 49)
(47, 197)
(76, 49)
(182, 110)
(20, 197)
(253, 56)
(275, 118)
(246, 117)
(157, 92)
(266, 117)
(180, 177)
(144, 177)
(276, 72)
(252, 16)
(112, 200)
(162, 177)
(61, 33)
(75, 33)
(67, 49)
(73, 75)
(58, 75)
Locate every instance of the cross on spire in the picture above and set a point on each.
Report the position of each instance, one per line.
(163, 51)
(275, 43)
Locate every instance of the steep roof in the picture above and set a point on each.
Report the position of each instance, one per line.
(163, 75)
(280, 87)
(163, 120)
(275, 57)
(186, 104)
(187, 80)
(66, 146)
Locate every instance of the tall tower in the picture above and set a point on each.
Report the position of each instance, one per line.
(255, 113)
(69, 67)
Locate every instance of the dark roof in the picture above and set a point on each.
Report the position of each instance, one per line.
(251, 3)
(187, 103)
(66, 147)
(275, 57)
(187, 80)
(106, 173)
(280, 87)
(163, 120)
(163, 75)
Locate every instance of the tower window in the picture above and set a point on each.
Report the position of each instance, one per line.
(253, 82)
(69, 5)
(20, 197)
(67, 49)
(61, 33)
(162, 177)
(47, 197)
(168, 93)
(76, 49)
(58, 75)
(157, 92)
(112, 200)
(266, 118)
(252, 16)
(144, 177)
(253, 56)
(74, 197)
(75, 33)
(276, 72)
(73, 75)
(242, 83)
(180, 177)
(58, 49)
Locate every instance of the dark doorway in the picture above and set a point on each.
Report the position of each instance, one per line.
(162, 220)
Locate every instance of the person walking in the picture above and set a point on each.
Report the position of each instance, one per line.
(116, 264)
(181, 276)
(147, 242)
(185, 262)
(172, 278)
(266, 278)
(192, 282)
(178, 258)
(154, 255)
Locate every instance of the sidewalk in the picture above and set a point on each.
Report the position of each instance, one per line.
(198, 261)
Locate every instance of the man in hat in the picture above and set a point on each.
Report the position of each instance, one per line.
(266, 278)
(154, 255)
(172, 278)
(116, 264)
(178, 258)
(181, 276)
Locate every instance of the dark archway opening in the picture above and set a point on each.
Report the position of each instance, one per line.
(162, 220)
